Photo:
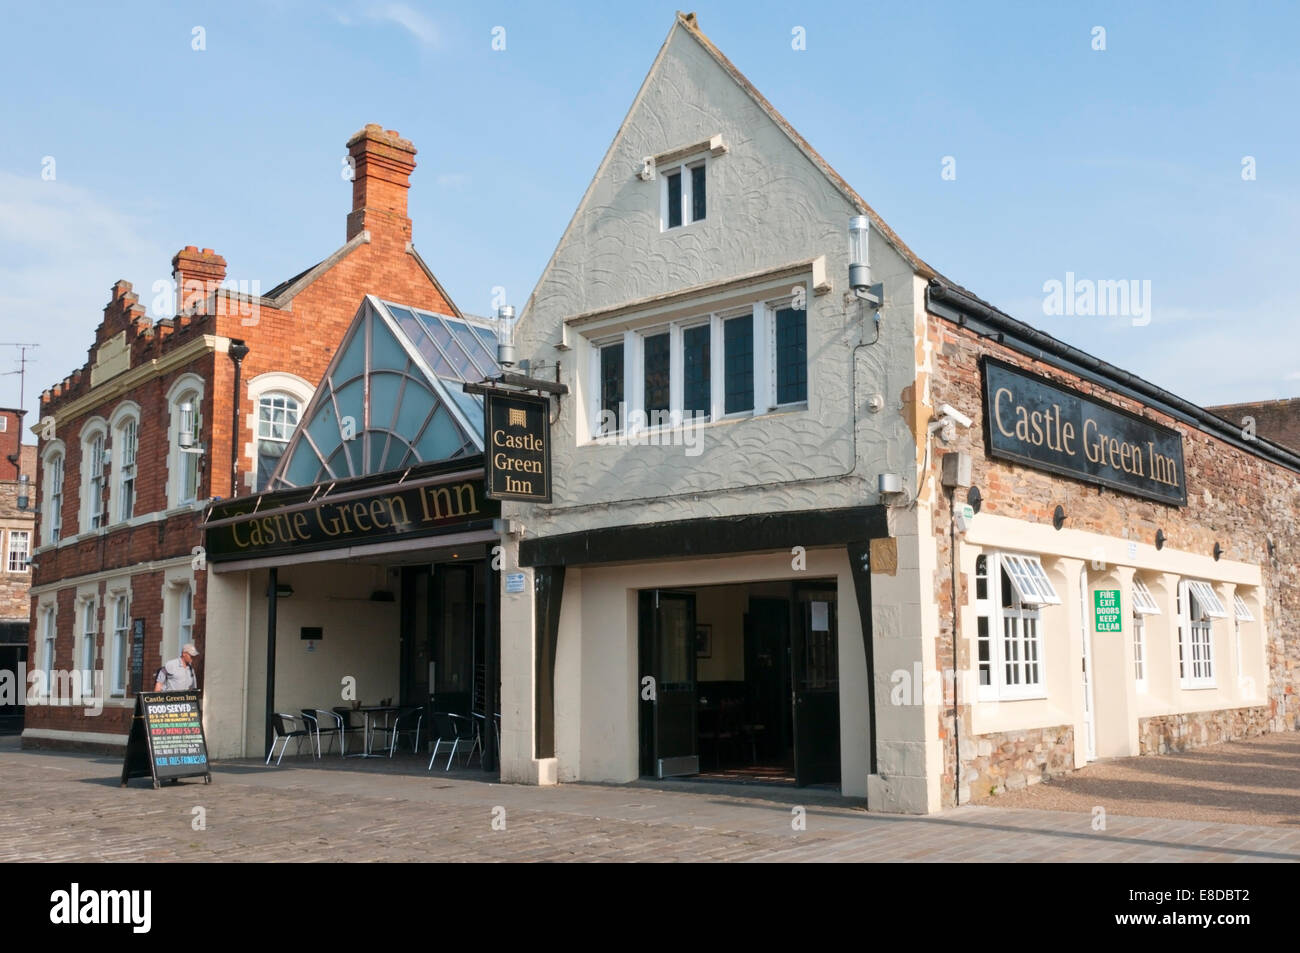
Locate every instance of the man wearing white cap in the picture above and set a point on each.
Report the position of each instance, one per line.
(178, 674)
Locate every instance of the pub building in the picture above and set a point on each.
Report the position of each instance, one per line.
(363, 572)
(820, 516)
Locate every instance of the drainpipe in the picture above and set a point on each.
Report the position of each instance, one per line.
(956, 711)
(237, 351)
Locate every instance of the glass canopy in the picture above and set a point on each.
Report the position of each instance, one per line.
(391, 397)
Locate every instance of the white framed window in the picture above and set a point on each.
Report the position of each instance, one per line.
(121, 643)
(683, 193)
(48, 634)
(277, 418)
(4, 423)
(1139, 651)
(185, 618)
(89, 633)
(18, 555)
(1010, 591)
(125, 427)
(186, 451)
(94, 458)
(1144, 603)
(744, 361)
(1196, 633)
(52, 506)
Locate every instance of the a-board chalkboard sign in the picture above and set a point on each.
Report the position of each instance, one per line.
(166, 739)
(137, 655)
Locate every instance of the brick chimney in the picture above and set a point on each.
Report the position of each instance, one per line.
(11, 436)
(197, 274)
(383, 163)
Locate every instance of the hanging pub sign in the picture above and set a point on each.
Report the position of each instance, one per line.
(166, 740)
(517, 429)
(1038, 423)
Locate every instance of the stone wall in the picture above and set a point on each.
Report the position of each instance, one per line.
(1009, 760)
(1165, 733)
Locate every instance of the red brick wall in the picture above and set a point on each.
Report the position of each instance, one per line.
(1234, 498)
(1276, 420)
(300, 339)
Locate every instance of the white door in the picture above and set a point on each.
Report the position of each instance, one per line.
(1089, 719)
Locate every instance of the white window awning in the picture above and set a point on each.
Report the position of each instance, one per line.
(1242, 610)
(1207, 599)
(1030, 580)
(1143, 601)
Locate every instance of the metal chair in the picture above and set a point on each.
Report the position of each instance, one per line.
(455, 731)
(283, 728)
(349, 726)
(332, 726)
(409, 722)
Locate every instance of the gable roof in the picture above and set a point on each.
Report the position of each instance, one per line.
(687, 24)
(391, 397)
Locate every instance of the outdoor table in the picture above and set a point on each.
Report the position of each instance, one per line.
(366, 712)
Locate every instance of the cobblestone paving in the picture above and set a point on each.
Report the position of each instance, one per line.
(63, 807)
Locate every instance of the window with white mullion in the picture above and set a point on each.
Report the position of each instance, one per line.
(764, 359)
(984, 620)
(634, 388)
(1009, 665)
(1195, 637)
(121, 625)
(1139, 651)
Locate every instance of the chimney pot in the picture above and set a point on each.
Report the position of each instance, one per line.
(197, 275)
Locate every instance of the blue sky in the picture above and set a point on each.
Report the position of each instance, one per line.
(1116, 164)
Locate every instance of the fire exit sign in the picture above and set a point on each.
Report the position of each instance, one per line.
(1106, 606)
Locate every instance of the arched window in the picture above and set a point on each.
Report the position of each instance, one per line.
(185, 456)
(125, 427)
(94, 460)
(52, 494)
(277, 418)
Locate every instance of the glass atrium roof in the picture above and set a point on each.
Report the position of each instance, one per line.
(391, 397)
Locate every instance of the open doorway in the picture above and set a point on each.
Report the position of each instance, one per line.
(741, 682)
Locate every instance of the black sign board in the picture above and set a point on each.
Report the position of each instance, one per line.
(256, 526)
(1031, 420)
(517, 434)
(137, 655)
(166, 739)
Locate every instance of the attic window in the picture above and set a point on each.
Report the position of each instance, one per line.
(683, 194)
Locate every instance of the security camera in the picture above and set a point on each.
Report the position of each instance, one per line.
(952, 413)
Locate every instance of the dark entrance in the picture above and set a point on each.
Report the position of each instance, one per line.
(746, 679)
(13, 658)
(667, 684)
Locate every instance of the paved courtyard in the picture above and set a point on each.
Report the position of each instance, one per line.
(63, 806)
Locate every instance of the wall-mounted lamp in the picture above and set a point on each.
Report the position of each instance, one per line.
(860, 262)
(505, 327)
(1160, 539)
(24, 492)
(188, 434)
(975, 498)
(1058, 516)
(282, 590)
(1218, 551)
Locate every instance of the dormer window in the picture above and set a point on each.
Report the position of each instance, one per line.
(683, 194)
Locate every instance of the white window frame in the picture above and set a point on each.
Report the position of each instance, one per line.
(94, 447)
(1144, 603)
(1139, 650)
(683, 168)
(259, 438)
(1195, 637)
(1208, 598)
(54, 472)
(49, 646)
(184, 465)
(762, 314)
(121, 641)
(124, 485)
(24, 552)
(184, 617)
(88, 650)
(1023, 621)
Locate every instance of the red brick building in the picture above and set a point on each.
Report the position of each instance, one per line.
(134, 444)
(1276, 420)
(16, 462)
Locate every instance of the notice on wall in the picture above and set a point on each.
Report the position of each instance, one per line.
(1106, 607)
(515, 582)
(821, 617)
(166, 740)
